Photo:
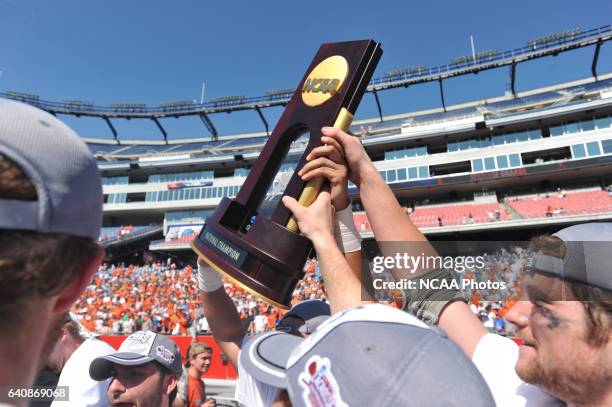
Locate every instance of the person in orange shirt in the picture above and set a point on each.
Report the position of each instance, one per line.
(199, 356)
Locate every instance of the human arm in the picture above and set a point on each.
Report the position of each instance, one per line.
(462, 326)
(315, 222)
(328, 161)
(390, 224)
(251, 329)
(387, 218)
(221, 313)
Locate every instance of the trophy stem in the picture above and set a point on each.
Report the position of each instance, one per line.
(313, 187)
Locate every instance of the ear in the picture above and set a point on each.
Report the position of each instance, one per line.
(70, 294)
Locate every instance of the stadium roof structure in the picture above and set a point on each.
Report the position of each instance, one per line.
(550, 45)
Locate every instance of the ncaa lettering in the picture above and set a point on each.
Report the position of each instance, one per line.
(321, 85)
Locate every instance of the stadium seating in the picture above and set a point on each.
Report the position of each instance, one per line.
(574, 203)
(183, 239)
(124, 298)
(451, 215)
(361, 222)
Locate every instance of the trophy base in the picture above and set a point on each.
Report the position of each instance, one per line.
(240, 283)
(267, 261)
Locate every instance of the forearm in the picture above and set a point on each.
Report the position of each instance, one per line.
(342, 285)
(224, 322)
(447, 308)
(388, 220)
(354, 261)
(221, 313)
(462, 326)
(390, 223)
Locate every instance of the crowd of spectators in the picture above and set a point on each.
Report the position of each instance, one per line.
(491, 306)
(164, 298)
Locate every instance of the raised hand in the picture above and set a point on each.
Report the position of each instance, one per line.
(316, 221)
(328, 161)
(354, 153)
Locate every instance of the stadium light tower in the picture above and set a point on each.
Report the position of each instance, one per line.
(202, 93)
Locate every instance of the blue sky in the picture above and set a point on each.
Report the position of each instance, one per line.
(154, 51)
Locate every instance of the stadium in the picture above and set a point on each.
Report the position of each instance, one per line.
(516, 165)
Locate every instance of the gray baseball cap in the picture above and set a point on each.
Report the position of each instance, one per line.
(137, 349)
(60, 166)
(396, 357)
(587, 256)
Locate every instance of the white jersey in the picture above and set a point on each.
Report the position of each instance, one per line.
(495, 357)
(252, 392)
(83, 390)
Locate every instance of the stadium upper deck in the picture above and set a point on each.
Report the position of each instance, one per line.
(492, 111)
(556, 136)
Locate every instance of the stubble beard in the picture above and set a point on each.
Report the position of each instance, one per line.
(579, 382)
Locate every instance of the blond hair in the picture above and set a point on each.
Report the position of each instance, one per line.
(197, 348)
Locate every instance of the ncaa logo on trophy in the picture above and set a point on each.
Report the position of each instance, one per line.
(324, 81)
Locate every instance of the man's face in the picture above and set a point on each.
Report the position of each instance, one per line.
(556, 355)
(140, 386)
(201, 362)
